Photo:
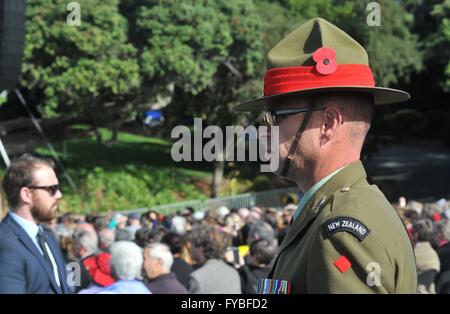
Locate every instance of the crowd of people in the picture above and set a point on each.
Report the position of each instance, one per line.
(220, 250)
(217, 251)
(428, 225)
(41, 251)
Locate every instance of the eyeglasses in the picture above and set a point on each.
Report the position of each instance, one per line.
(52, 189)
(270, 117)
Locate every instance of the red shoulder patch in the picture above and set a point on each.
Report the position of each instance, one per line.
(343, 264)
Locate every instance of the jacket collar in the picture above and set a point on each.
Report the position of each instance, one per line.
(162, 277)
(29, 227)
(345, 178)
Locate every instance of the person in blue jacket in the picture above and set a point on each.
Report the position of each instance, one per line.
(30, 258)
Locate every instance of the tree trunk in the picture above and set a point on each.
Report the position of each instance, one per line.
(115, 132)
(98, 136)
(219, 167)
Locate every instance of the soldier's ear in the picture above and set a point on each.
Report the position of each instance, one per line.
(332, 118)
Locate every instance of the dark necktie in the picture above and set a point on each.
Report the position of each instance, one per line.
(42, 239)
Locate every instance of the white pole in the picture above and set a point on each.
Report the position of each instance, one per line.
(4, 154)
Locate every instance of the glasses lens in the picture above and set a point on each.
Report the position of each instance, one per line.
(54, 189)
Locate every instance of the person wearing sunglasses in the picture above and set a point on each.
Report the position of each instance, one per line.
(30, 258)
(344, 236)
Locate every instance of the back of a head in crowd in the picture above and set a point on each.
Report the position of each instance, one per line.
(91, 218)
(260, 230)
(272, 220)
(262, 251)
(423, 230)
(186, 212)
(150, 218)
(213, 218)
(125, 235)
(85, 241)
(101, 223)
(233, 220)
(126, 260)
(207, 243)
(162, 252)
(106, 238)
(179, 224)
(134, 219)
(20, 174)
(243, 212)
(145, 236)
(411, 215)
(253, 217)
(174, 241)
(149, 235)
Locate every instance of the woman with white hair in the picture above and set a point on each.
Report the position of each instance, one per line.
(126, 265)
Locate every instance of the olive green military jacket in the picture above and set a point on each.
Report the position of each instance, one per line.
(347, 239)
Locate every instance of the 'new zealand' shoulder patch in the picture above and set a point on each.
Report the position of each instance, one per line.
(352, 225)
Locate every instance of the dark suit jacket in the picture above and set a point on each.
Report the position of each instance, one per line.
(249, 277)
(444, 256)
(23, 269)
(165, 284)
(182, 271)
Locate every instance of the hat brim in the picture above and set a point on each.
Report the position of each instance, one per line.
(381, 96)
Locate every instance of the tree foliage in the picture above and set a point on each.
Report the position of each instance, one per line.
(83, 70)
(202, 47)
(207, 49)
(208, 55)
(393, 49)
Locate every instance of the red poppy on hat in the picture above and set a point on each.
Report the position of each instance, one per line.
(325, 63)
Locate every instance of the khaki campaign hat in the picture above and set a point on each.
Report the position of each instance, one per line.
(319, 57)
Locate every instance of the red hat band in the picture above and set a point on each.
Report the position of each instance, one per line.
(289, 79)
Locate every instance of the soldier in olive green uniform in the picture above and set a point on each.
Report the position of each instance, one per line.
(345, 237)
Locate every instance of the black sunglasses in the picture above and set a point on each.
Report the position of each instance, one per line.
(52, 189)
(270, 117)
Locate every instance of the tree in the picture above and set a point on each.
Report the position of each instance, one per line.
(207, 49)
(438, 42)
(393, 49)
(432, 25)
(430, 86)
(86, 71)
